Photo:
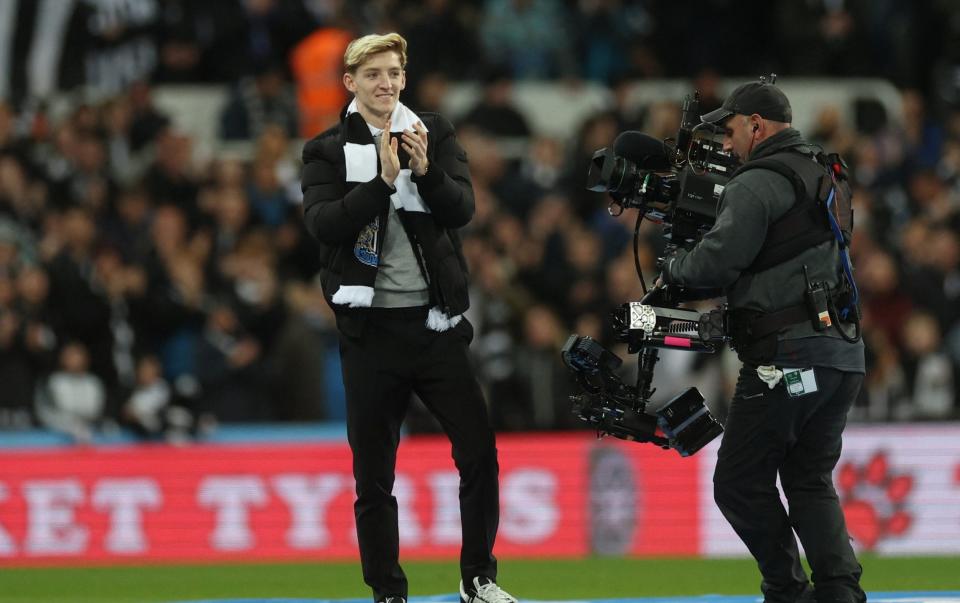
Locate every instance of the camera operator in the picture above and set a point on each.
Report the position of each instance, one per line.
(798, 378)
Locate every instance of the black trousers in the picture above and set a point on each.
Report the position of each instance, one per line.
(768, 432)
(394, 356)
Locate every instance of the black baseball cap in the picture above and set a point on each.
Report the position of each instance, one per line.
(762, 98)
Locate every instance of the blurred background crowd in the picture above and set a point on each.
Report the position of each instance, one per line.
(144, 288)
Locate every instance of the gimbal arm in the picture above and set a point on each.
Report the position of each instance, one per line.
(656, 322)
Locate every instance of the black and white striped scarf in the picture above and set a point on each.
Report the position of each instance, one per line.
(362, 164)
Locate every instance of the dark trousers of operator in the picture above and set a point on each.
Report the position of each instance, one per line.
(396, 355)
(769, 432)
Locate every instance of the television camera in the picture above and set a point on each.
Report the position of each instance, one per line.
(675, 183)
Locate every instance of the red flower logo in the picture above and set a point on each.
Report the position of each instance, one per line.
(874, 500)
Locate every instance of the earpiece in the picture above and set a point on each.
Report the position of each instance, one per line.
(755, 127)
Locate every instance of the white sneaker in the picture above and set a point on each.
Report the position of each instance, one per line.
(486, 593)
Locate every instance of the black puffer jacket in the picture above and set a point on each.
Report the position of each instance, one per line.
(335, 213)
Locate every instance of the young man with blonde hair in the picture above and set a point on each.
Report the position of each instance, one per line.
(385, 191)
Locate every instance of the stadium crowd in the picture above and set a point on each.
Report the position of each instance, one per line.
(143, 288)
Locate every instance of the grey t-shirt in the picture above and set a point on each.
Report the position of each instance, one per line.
(399, 282)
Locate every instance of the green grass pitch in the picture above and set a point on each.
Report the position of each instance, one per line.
(593, 578)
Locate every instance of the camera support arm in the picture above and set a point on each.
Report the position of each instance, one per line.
(672, 328)
(648, 328)
(644, 325)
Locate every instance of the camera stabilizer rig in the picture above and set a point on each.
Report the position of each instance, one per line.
(676, 183)
(618, 409)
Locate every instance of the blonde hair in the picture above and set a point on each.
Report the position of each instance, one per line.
(361, 49)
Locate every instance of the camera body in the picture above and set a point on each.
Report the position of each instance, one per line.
(675, 182)
(617, 409)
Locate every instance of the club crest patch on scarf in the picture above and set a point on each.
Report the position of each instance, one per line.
(365, 249)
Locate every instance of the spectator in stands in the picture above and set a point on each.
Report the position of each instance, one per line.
(268, 199)
(79, 305)
(822, 37)
(605, 34)
(488, 167)
(949, 164)
(443, 40)
(121, 160)
(227, 172)
(885, 388)
(922, 134)
(147, 122)
(303, 362)
(498, 299)
(7, 127)
(831, 131)
(73, 399)
(540, 380)
(251, 32)
(145, 408)
(231, 215)
(120, 284)
(531, 36)
(584, 263)
(56, 165)
(629, 113)
(315, 64)
(543, 164)
(128, 228)
(886, 303)
(258, 100)
(172, 178)
(273, 147)
(91, 184)
(496, 113)
(18, 208)
(27, 342)
(17, 246)
(496, 176)
(250, 283)
(170, 315)
(230, 369)
(431, 91)
(928, 371)
(931, 270)
(596, 131)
